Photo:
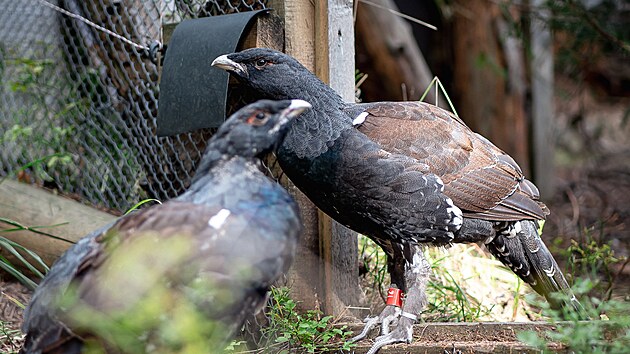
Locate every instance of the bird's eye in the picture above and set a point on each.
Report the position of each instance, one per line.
(259, 118)
(261, 62)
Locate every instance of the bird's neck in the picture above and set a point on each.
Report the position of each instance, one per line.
(314, 131)
(217, 154)
(218, 172)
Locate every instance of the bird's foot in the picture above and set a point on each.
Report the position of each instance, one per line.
(403, 333)
(389, 315)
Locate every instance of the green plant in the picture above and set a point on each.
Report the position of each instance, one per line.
(464, 285)
(58, 130)
(374, 264)
(310, 331)
(18, 251)
(607, 332)
(141, 203)
(157, 311)
(448, 301)
(594, 258)
(10, 338)
(40, 127)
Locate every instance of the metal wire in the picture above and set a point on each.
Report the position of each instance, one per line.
(100, 28)
(78, 107)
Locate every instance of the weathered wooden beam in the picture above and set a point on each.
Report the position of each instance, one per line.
(304, 275)
(32, 206)
(334, 64)
(472, 337)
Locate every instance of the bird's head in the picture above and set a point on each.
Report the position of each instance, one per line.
(273, 73)
(257, 128)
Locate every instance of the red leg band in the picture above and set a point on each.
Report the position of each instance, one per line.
(394, 297)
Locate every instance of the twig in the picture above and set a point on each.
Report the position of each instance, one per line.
(575, 206)
(20, 227)
(400, 14)
(602, 32)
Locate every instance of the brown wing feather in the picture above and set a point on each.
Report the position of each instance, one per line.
(480, 178)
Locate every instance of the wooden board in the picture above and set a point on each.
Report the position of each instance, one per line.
(478, 337)
(317, 34)
(32, 206)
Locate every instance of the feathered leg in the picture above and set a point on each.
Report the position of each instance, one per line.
(417, 273)
(410, 271)
(390, 314)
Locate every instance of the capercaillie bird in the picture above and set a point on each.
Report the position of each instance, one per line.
(404, 174)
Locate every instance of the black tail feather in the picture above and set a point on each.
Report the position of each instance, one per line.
(518, 246)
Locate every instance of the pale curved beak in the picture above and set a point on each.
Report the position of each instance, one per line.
(288, 114)
(228, 64)
(296, 108)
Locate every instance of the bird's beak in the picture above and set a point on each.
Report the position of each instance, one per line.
(286, 115)
(295, 108)
(228, 64)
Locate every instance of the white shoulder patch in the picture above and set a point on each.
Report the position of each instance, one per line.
(360, 118)
(219, 219)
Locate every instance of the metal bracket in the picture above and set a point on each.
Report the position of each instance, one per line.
(192, 95)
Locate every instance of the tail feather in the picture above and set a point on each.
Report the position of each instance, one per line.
(518, 246)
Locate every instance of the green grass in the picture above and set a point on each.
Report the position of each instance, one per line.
(26, 258)
(288, 330)
(467, 284)
(607, 332)
(11, 338)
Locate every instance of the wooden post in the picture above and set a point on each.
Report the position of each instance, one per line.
(304, 275)
(334, 43)
(542, 100)
(317, 34)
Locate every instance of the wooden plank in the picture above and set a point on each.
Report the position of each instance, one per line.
(541, 65)
(304, 275)
(334, 43)
(32, 206)
(266, 32)
(467, 337)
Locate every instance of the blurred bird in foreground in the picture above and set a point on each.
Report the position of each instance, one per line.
(184, 275)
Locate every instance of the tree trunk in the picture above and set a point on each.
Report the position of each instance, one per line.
(489, 77)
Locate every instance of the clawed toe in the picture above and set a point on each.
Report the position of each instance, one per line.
(387, 317)
(370, 322)
(402, 334)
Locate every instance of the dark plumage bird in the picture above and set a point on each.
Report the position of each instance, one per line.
(211, 253)
(404, 174)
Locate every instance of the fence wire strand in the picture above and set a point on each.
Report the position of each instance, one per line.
(78, 106)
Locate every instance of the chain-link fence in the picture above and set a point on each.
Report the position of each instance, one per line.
(78, 107)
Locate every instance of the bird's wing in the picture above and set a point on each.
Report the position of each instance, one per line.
(397, 191)
(41, 317)
(481, 179)
(182, 242)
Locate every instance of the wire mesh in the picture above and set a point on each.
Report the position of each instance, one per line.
(78, 108)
